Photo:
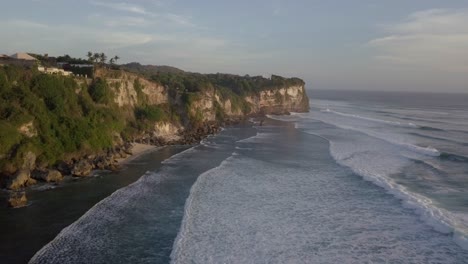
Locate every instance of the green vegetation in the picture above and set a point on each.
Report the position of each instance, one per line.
(66, 122)
(179, 80)
(152, 113)
(70, 120)
(100, 91)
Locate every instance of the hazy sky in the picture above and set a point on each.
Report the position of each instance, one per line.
(334, 44)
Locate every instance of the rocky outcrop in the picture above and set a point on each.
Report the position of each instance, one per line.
(47, 175)
(22, 178)
(17, 199)
(82, 168)
(167, 131)
(28, 129)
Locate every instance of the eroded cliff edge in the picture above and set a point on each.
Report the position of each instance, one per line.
(52, 126)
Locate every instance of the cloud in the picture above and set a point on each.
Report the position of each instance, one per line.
(146, 17)
(435, 39)
(119, 21)
(180, 20)
(277, 8)
(20, 32)
(122, 7)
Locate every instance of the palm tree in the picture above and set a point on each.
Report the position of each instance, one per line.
(90, 56)
(102, 58)
(111, 61)
(116, 58)
(96, 57)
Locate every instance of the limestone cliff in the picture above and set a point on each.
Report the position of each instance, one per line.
(72, 125)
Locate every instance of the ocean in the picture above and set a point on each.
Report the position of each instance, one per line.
(365, 177)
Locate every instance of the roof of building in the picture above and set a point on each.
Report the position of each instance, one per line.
(22, 56)
(3, 56)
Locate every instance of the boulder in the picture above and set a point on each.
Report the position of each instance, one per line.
(101, 162)
(82, 168)
(128, 148)
(17, 199)
(48, 175)
(64, 168)
(19, 180)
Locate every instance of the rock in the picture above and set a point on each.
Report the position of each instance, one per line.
(29, 161)
(21, 179)
(113, 167)
(54, 176)
(48, 175)
(128, 148)
(64, 168)
(17, 199)
(101, 162)
(30, 182)
(82, 168)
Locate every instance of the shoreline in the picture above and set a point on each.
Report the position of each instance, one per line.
(27, 229)
(138, 149)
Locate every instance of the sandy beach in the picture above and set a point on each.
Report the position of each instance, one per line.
(138, 150)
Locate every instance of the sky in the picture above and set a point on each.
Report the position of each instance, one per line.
(397, 45)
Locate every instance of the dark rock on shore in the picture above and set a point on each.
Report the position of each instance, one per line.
(47, 175)
(20, 179)
(82, 168)
(17, 199)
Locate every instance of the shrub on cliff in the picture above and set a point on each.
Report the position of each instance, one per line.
(152, 113)
(100, 91)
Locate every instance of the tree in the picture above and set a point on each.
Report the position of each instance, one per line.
(96, 57)
(111, 61)
(116, 58)
(90, 56)
(102, 58)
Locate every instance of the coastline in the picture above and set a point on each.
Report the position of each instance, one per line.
(138, 150)
(27, 229)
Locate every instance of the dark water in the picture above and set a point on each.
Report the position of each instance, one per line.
(26, 230)
(270, 194)
(415, 145)
(138, 223)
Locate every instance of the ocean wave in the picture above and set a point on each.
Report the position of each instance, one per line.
(182, 237)
(86, 233)
(428, 128)
(453, 157)
(440, 219)
(395, 123)
(425, 150)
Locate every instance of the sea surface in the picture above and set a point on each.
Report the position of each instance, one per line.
(363, 178)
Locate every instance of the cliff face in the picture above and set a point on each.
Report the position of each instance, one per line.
(210, 103)
(280, 101)
(71, 126)
(127, 87)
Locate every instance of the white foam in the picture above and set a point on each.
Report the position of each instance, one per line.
(396, 123)
(375, 162)
(174, 158)
(396, 140)
(249, 211)
(260, 136)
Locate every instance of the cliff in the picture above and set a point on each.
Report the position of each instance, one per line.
(55, 125)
